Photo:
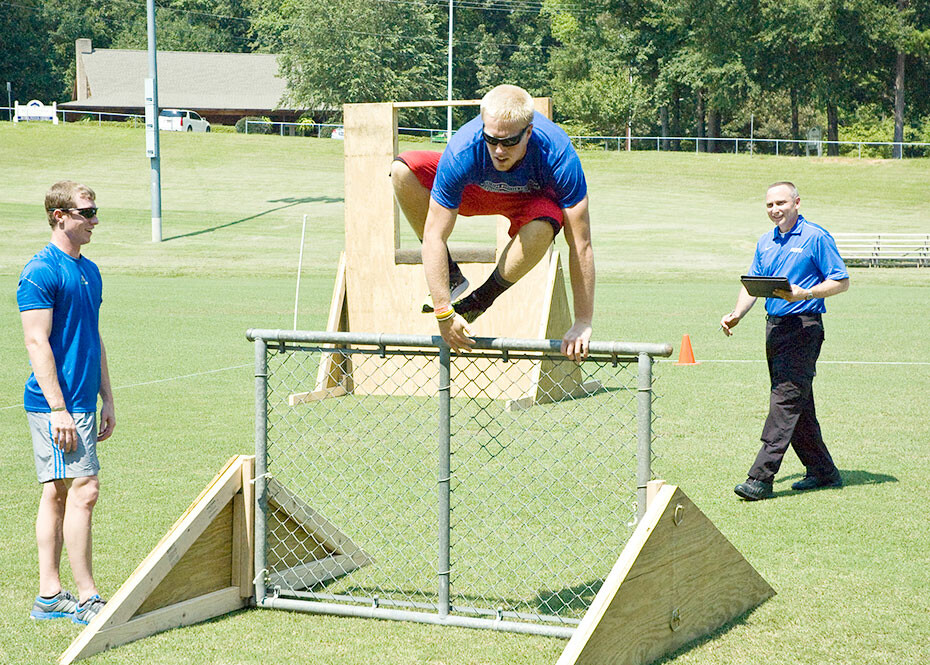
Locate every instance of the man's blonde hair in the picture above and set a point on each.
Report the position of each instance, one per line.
(789, 185)
(62, 195)
(508, 103)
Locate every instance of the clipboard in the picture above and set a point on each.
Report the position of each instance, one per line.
(764, 287)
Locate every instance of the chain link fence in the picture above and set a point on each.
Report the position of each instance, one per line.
(491, 489)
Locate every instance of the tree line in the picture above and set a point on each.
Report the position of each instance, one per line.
(860, 69)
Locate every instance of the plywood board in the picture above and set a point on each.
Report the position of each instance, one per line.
(335, 371)
(191, 575)
(677, 579)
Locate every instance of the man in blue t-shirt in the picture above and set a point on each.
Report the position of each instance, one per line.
(806, 255)
(510, 161)
(59, 296)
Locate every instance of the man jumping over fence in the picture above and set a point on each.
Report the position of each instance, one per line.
(511, 161)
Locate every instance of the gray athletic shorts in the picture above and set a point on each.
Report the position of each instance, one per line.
(51, 462)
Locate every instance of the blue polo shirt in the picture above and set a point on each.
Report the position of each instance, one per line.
(550, 165)
(806, 255)
(73, 290)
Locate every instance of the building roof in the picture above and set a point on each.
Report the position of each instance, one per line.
(114, 78)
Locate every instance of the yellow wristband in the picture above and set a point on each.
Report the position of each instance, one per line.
(58, 408)
(445, 314)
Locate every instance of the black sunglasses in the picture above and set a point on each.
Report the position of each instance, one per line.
(86, 213)
(507, 141)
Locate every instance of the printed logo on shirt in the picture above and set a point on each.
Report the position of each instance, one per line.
(796, 250)
(505, 188)
(83, 281)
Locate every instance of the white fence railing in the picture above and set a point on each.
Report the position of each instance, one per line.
(736, 145)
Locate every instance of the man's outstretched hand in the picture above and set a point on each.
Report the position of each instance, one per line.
(576, 340)
(456, 333)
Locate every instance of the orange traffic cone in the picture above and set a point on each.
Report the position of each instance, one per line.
(686, 355)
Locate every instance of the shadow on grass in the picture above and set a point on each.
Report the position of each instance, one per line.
(568, 600)
(851, 478)
(710, 637)
(289, 202)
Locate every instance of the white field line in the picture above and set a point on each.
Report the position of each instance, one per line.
(149, 383)
(665, 360)
(819, 362)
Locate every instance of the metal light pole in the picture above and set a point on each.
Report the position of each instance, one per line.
(151, 124)
(449, 77)
(9, 99)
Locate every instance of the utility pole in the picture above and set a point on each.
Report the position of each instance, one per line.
(151, 124)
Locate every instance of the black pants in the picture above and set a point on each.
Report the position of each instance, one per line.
(792, 346)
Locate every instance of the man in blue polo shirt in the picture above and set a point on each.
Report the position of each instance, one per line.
(510, 161)
(806, 254)
(59, 297)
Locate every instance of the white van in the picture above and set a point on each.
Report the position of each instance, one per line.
(181, 120)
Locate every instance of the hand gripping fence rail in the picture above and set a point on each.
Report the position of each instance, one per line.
(489, 489)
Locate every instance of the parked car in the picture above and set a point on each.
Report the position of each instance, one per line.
(339, 133)
(181, 120)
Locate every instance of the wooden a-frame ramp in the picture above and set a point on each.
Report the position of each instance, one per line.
(203, 567)
(677, 579)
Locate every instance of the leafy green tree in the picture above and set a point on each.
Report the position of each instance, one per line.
(343, 51)
(190, 25)
(594, 80)
(24, 58)
(69, 20)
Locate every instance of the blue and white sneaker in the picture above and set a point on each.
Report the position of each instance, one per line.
(86, 611)
(457, 286)
(60, 606)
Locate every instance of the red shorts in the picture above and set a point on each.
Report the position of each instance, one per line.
(519, 208)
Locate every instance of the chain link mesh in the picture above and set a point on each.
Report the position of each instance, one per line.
(543, 485)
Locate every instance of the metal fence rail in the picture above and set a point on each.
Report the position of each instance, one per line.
(465, 503)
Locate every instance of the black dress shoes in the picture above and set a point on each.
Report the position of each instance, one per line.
(754, 490)
(815, 482)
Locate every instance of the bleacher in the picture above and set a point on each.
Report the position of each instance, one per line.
(884, 249)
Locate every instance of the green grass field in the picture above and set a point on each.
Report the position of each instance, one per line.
(671, 234)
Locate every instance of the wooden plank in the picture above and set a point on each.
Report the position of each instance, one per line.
(244, 538)
(311, 573)
(187, 613)
(439, 102)
(460, 254)
(677, 579)
(205, 567)
(652, 490)
(335, 369)
(316, 395)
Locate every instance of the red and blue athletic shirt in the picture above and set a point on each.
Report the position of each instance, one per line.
(551, 166)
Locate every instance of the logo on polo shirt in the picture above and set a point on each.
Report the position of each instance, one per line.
(796, 250)
(83, 281)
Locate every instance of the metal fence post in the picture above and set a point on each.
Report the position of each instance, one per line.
(644, 433)
(261, 466)
(445, 466)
